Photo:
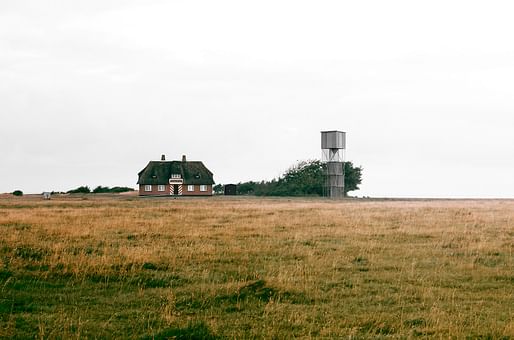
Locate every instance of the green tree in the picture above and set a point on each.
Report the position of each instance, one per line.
(100, 189)
(352, 177)
(17, 193)
(303, 179)
(246, 188)
(306, 178)
(80, 190)
(218, 189)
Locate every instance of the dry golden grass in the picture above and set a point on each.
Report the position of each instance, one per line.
(121, 267)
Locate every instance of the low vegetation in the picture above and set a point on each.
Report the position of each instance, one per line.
(99, 190)
(114, 190)
(220, 267)
(80, 190)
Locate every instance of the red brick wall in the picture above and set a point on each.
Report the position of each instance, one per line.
(166, 191)
(154, 191)
(197, 191)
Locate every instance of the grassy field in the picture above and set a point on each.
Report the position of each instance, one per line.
(124, 267)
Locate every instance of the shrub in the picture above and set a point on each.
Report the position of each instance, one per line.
(80, 190)
(17, 193)
(218, 189)
(121, 189)
(100, 189)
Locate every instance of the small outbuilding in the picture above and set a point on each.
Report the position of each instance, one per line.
(230, 190)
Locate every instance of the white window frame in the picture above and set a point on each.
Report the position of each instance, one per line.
(203, 187)
(161, 187)
(176, 176)
(148, 187)
(190, 187)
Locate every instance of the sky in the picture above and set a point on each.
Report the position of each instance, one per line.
(90, 91)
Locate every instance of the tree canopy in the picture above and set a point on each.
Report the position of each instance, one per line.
(306, 178)
(99, 189)
(80, 190)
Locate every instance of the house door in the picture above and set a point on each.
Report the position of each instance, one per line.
(177, 189)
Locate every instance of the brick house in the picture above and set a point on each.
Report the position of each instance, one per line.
(175, 178)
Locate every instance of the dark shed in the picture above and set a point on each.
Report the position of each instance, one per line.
(230, 189)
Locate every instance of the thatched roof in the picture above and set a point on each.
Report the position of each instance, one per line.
(159, 172)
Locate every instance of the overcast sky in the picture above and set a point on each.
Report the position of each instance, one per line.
(90, 91)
